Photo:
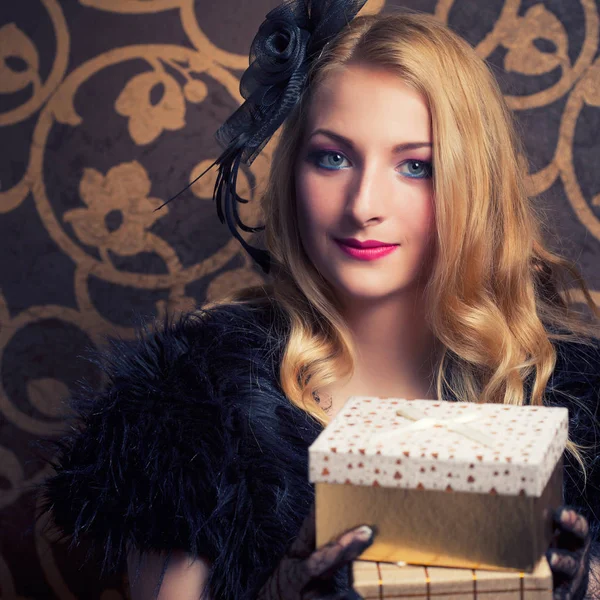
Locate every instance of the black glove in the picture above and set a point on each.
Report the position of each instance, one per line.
(569, 554)
(306, 573)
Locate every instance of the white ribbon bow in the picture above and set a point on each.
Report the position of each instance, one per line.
(456, 424)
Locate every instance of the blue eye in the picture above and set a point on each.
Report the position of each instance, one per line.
(334, 161)
(328, 159)
(418, 169)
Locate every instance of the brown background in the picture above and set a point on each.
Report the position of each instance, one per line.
(108, 107)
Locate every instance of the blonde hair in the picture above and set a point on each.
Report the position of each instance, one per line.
(494, 285)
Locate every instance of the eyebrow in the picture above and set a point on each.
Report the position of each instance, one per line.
(344, 140)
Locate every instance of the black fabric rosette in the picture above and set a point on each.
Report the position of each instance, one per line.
(273, 82)
(290, 37)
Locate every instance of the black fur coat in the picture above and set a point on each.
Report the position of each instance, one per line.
(192, 445)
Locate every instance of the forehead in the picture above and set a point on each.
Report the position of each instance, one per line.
(359, 100)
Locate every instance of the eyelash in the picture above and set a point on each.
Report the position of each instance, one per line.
(319, 154)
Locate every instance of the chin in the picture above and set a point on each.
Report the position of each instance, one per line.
(361, 286)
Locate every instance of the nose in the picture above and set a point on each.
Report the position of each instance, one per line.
(366, 196)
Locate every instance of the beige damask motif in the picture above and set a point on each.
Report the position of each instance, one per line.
(523, 56)
(16, 44)
(147, 120)
(116, 212)
(124, 192)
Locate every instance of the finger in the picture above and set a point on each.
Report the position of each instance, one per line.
(569, 574)
(564, 564)
(295, 576)
(306, 540)
(325, 561)
(569, 520)
(572, 529)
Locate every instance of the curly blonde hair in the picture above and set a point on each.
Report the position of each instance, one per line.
(496, 295)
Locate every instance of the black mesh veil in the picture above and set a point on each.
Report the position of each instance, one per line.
(290, 37)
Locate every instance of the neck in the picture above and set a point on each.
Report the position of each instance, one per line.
(396, 350)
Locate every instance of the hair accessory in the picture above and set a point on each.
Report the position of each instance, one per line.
(289, 38)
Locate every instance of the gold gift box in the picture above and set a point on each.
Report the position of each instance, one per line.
(449, 529)
(436, 496)
(377, 580)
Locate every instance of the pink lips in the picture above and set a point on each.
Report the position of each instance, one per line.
(368, 250)
(354, 243)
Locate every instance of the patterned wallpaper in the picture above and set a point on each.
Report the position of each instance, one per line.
(108, 108)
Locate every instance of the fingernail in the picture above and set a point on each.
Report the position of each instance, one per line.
(364, 533)
(553, 559)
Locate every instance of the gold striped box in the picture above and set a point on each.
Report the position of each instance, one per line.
(378, 580)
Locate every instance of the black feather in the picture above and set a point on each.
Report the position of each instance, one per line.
(191, 445)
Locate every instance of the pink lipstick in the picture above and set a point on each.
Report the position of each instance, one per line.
(367, 250)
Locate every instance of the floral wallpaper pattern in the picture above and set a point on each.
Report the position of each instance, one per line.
(107, 109)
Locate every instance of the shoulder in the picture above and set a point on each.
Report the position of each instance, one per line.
(190, 445)
(161, 351)
(577, 369)
(575, 384)
(175, 370)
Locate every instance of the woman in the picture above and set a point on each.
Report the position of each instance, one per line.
(192, 462)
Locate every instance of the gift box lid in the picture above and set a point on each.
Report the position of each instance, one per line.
(438, 445)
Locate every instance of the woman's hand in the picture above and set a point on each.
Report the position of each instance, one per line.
(569, 554)
(308, 574)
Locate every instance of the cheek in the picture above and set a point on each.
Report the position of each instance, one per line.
(429, 214)
(311, 205)
(304, 210)
(301, 199)
(422, 218)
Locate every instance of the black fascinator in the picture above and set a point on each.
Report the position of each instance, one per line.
(291, 36)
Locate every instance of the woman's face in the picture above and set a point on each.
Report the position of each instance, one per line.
(364, 173)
